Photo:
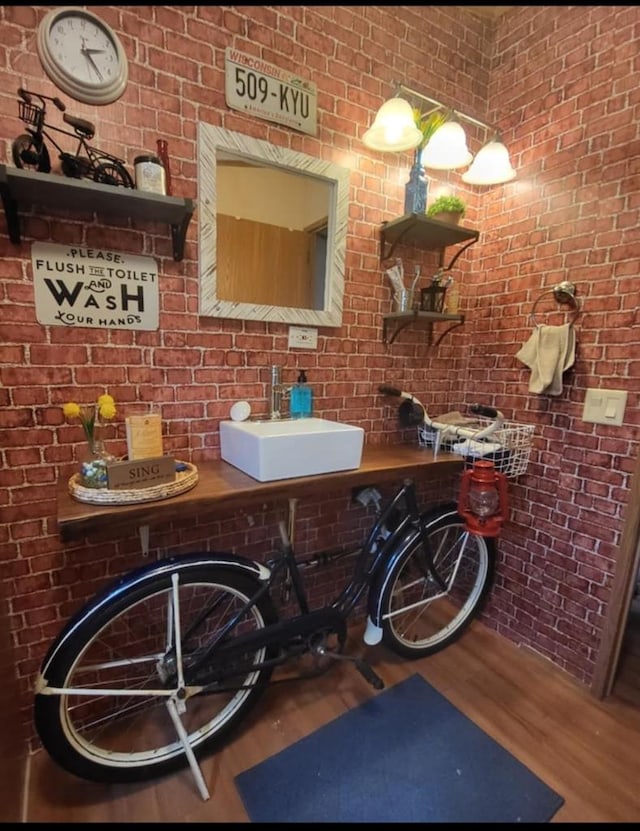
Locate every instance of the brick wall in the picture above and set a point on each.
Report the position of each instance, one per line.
(560, 81)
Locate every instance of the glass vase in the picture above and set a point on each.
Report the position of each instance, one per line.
(415, 191)
(93, 467)
(163, 153)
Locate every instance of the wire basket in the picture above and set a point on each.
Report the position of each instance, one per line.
(29, 113)
(509, 447)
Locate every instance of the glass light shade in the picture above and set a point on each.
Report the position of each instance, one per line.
(447, 148)
(491, 166)
(394, 128)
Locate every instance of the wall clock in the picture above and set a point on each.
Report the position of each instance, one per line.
(82, 55)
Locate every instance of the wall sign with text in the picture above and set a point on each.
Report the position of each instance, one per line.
(266, 91)
(76, 286)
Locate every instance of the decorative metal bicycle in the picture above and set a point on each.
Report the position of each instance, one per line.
(30, 150)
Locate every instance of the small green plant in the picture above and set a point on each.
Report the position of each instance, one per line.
(447, 205)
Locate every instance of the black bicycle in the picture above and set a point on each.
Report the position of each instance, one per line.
(30, 150)
(170, 658)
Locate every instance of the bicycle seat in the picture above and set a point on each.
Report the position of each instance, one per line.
(82, 127)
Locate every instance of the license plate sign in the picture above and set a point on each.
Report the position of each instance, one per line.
(266, 91)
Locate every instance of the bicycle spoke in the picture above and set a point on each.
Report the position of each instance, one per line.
(111, 701)
(420, 615)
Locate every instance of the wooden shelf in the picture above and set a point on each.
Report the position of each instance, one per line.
(21, 189)
(419, 229)
(222, 487)
(393, 324)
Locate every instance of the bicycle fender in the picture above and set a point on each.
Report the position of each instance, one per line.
(141, 575)
(373, 633)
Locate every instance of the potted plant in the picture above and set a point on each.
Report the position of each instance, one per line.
(447, 209)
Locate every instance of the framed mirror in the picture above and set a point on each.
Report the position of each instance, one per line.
(272, 231)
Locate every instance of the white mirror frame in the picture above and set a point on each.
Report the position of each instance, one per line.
(210, 139)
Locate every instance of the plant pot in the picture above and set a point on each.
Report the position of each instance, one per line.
(448, 217)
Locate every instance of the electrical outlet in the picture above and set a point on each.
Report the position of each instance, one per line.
(303, 337)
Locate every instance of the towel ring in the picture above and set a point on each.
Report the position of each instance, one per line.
(564, 292)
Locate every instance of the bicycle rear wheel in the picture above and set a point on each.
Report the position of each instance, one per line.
(421, 617)
(122, 644)
(28, 155)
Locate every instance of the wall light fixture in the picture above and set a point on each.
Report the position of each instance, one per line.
(394, 130)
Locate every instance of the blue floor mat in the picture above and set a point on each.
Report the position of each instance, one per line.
(405, 755)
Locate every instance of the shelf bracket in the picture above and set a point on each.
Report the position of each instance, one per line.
(393, 245)
(392, 326)
(455, 256)
(179, 234)
(10, 209)
(399, 325)
(446, 332)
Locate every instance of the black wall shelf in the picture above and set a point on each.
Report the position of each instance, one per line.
(419, 229)
(393, 324)
(22, 189)
(433, 235)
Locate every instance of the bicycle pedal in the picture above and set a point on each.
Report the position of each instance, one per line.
(365, 669)
(369, 674)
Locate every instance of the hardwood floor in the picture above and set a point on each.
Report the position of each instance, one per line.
(586, 750)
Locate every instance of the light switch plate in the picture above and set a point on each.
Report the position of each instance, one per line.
(604, 406)
(303, 337)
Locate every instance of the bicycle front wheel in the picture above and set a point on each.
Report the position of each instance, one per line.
(422, 614)
(101, 709)
(113, 173)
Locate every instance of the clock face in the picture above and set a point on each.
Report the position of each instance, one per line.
(82, 55)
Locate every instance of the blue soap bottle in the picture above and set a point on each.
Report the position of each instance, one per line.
(301, 398)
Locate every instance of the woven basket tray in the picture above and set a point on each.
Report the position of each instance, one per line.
(184, 481)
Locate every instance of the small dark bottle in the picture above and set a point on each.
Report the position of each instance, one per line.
(163, 154)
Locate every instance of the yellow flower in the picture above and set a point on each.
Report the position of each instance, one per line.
(428, 124)
(104, 407)
(71, 410)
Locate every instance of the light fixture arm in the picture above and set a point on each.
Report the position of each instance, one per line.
(438, 105)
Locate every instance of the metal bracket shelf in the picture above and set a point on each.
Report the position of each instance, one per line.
(22, 189)
(419, 229)
(393, 324)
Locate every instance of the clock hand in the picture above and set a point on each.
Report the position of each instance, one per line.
(91, 51)
(93, 64)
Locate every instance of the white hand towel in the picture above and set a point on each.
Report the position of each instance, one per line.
(548, 353)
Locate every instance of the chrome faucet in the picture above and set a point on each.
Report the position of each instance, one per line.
(277, 393)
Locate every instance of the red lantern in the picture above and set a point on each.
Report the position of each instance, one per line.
(483, 499)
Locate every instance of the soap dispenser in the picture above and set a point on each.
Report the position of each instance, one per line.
(301, 398)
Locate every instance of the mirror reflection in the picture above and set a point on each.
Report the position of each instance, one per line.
(279, 221)
(272, 231)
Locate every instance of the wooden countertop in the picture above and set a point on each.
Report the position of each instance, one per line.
(222, 485)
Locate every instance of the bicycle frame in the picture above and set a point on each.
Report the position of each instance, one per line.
(86, 160)
(370, 562)
(92, 153)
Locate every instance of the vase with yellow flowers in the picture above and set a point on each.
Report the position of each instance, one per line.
(93, 468)
(415, 191)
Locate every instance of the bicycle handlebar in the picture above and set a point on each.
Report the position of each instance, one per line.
(471, 432)
(26, 96)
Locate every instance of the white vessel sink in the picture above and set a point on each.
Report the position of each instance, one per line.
(269, 450)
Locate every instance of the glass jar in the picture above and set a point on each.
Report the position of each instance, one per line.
(150, 174)
(93, 468)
